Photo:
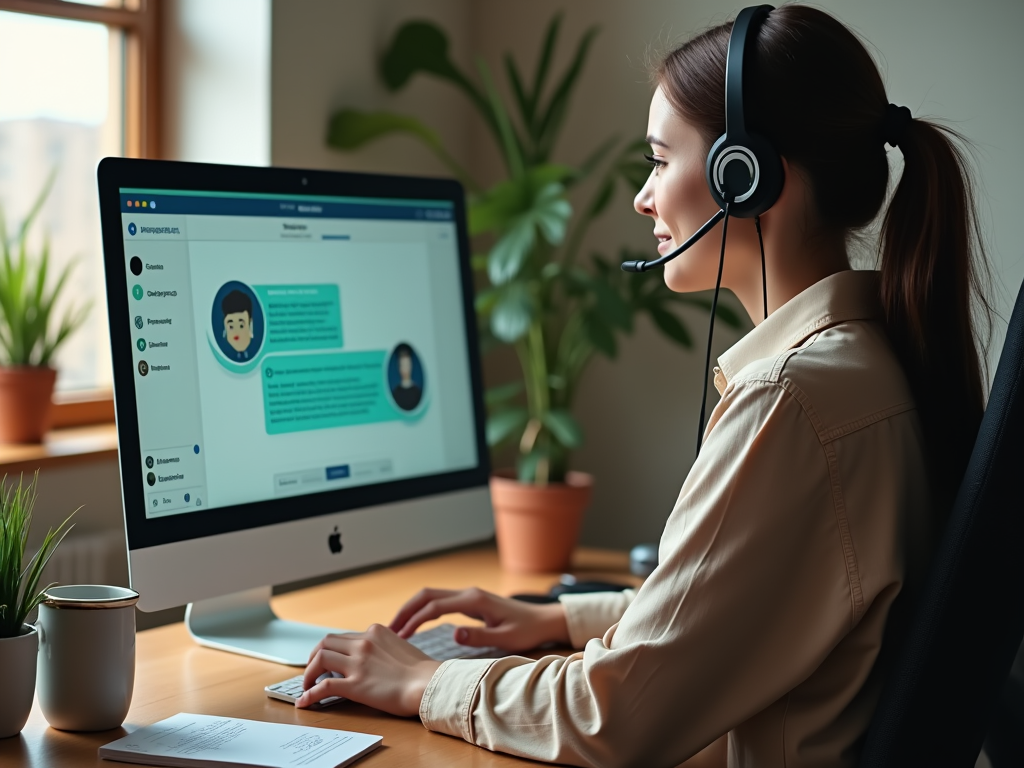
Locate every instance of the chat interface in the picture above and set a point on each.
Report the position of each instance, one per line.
(288, 345)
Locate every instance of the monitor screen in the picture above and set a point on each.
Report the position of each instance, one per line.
(292, 345)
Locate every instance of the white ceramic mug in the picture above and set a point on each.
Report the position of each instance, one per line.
(86, 669)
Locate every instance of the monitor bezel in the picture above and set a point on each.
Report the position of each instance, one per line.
(117, 173)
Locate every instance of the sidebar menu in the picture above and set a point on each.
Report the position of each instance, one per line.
(173, 466)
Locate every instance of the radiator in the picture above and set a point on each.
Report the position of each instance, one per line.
(88, 557)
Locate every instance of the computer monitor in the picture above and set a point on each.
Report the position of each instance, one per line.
(297, 384)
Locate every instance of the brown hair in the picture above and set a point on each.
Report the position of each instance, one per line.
(813, 90)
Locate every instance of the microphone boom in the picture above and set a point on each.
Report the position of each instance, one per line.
(642, 266)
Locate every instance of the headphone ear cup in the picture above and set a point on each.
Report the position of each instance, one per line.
(748, 167)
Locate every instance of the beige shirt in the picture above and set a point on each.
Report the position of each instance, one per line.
(801, 520)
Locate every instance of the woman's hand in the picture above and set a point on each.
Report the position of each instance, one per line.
(511, 625)
(379, 669)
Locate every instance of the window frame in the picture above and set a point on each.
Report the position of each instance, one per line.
(140, 23)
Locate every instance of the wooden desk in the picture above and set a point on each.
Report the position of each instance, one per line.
(173, 674)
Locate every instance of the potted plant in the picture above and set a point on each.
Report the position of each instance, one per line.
(19, 596)
(30, 335)
(535, 293)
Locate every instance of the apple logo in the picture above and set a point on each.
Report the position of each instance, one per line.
(334, 541)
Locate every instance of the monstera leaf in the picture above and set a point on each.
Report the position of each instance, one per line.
(420, 46)
(517, 209)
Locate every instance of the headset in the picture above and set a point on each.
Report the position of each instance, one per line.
(743, 172)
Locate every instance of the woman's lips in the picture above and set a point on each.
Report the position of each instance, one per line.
(235, 338)
(664, 244)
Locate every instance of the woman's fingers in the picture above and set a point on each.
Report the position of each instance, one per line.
(324, 660)
(418, 600)
(331, 686)
(468, 602)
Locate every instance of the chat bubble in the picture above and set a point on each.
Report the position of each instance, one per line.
(301, 317)
(320, 391)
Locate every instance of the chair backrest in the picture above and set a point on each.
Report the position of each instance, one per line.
(969, 620)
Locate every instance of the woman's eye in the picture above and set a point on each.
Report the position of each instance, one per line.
(655, 162)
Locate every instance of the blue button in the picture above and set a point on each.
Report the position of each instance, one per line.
(187, 498)
(195, 448)
(337, 473)
(131, 229)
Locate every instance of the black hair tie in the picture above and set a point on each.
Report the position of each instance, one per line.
(895, 124)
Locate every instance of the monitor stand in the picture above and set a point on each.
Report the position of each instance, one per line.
(245, 623)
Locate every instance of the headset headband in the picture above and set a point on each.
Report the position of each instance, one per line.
(744, 34)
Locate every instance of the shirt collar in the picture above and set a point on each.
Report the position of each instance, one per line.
(844, 296)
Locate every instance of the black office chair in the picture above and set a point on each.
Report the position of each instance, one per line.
(955, 657)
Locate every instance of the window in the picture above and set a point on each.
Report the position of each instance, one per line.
(78, 82)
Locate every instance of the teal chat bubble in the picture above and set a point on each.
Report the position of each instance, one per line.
(320, 391)
(301, 317)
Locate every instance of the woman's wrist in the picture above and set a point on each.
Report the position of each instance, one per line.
(417, 685)
(556, 627)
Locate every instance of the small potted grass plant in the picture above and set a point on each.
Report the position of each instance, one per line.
(30, 333)
(19, 596)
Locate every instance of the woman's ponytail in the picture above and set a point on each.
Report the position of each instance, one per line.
(930, 263)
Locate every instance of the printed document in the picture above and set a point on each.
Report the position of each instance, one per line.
(204, 740)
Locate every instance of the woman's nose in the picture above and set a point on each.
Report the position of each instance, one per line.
(644, 200)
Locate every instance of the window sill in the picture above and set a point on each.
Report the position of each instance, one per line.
(82, 408)
(61, 447)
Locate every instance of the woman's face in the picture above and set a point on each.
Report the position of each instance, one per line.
(676, 197)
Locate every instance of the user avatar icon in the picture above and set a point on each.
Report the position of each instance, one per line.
(143, 368)
(149, 462)
(138, 322)
(237, 322)
(151, 478)
(405, 377)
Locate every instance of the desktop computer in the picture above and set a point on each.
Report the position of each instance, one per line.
(296, 382)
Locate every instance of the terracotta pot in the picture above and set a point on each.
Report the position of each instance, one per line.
(18, 672)
(537, 526)
(26, 394)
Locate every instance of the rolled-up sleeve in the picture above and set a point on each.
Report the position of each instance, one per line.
(591, 615)
(751, 594)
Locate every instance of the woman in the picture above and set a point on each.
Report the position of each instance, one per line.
(828, 466)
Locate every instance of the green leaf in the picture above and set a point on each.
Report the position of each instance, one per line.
(552, 211)
(600, 334)
(513, 313)
(502, 392)
(564, 427)
(543, 67)
(501, 205)
(522, 99)
(418, 46)
(512, 147)
(612, 306)
(486, 299)
(671, 326)
(350, 129)
(511, 250)
(551, 123)
(548, 211)
(505, 424)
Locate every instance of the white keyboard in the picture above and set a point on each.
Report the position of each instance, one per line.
(438, 643)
